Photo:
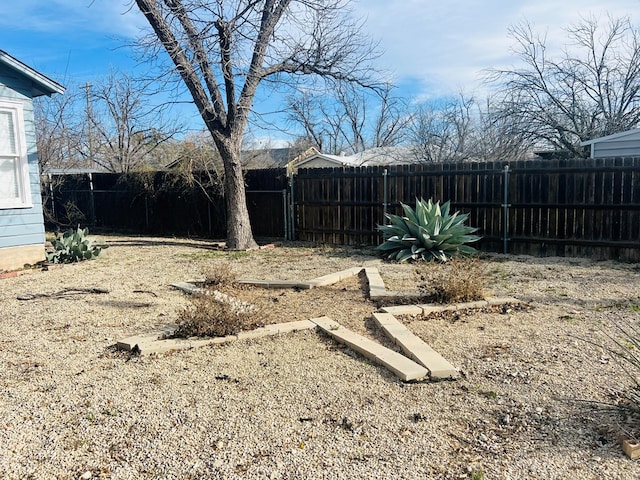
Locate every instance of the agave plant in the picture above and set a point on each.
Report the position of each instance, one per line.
(427, 232)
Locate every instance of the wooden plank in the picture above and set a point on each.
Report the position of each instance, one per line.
(403, 310)
(413, 346)
(276, 329)
(129, 343)
(154, 342)
(400, 365)
(334, 277)
(36, 238)
(374, 278)
(275, 283)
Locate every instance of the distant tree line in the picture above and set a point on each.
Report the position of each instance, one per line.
(548, 103)
(589, 90)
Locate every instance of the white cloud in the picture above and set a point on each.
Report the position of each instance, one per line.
(72, 17)
(70, 40)
(432, 47)
(447, 45)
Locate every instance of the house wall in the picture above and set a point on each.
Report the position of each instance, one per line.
(22, 229)
(318, 163)
(627, 146)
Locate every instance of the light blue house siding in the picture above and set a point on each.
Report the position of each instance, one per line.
(22, 229)
(622, 144)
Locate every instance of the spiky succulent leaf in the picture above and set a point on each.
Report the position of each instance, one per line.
(427, 232)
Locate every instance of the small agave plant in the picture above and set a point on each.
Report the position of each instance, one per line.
(427, 232)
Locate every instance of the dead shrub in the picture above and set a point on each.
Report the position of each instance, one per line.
(208, 316)
(219, 274)
(459, 280)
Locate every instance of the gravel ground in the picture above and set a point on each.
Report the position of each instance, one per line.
(299, 406)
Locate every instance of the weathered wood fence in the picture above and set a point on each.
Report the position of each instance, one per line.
(548, 207)
(162, 202)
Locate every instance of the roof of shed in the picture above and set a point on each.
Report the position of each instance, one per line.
(614, 136)
(40, 84)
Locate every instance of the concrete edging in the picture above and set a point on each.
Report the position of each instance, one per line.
(401, 366)
(415, 348)
(155, 343)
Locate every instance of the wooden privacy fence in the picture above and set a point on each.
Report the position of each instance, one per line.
(162, 203)
(546, 207)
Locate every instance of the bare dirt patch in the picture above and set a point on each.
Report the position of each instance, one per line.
(299, 405)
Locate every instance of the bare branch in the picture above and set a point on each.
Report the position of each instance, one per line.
(590, 90)
(223, 50)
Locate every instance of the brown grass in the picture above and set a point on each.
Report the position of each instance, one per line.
(210, 317)
(219, 274)
(459, 280)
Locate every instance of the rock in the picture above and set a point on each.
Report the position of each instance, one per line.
(86, 475)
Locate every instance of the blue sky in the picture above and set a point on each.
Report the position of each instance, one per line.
(432, 48)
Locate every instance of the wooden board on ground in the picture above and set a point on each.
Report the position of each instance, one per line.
(332, 278)
(415, 347)
(400, 365)
(155, 343)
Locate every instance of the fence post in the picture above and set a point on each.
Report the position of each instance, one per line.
(285, 213)
(92, 202)
(146, 211)
(53, 199)
(385, 203)
(505, 210)
(292, 212)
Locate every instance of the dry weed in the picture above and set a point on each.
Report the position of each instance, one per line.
(219, 274)
(459, 280)
(212, 317)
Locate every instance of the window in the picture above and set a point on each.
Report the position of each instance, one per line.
(14, 169)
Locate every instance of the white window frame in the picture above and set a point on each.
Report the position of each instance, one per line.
(23, 200)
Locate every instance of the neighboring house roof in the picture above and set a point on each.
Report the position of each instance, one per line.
(379, 156)
(337, 160)
(40, 84)
(266, 158)
(619, 144)
(71, 171)
(614, 136)
(256, 159)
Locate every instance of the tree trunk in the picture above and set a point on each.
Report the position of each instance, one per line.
(239, 234)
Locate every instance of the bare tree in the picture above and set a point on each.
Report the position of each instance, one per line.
(223, 50)
(461, 129)
(440, 131)
(496, 138)
(322, 123)
(124, 127)
(196, 152)
(198, 163)
(58, 131)
(391, 121)
(590, 90)
(111, 125)
(350, 119)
